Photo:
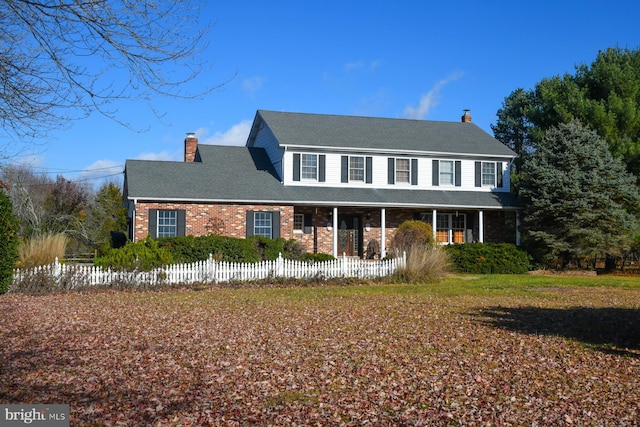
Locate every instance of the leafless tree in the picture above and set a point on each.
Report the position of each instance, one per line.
(65, 59)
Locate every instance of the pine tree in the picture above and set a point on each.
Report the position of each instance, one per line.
(579, 200)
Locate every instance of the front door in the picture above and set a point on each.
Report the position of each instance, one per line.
(349, 235)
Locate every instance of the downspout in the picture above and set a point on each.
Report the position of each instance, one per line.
(133, 221)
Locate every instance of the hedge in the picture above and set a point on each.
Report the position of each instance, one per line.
(489, 258)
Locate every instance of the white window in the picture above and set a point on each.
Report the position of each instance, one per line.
(450, 227)
(262, 224)
(403, 170)
(298, 222)
(309, 166)
(447, 172)
(356, 169)
(167, 223)
(488, 174)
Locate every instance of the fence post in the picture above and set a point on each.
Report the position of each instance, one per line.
(280, 265)
(57, 271)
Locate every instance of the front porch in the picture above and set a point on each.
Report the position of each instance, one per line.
(350, 230)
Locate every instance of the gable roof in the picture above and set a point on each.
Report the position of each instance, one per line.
(245, 175)
(378, 134)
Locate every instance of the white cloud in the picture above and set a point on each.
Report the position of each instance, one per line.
(236, 135)
(253, 84)
(429, 100)
(101, 171)
(163, 155)
(371, 65)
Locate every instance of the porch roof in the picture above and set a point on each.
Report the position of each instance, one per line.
(246, 176)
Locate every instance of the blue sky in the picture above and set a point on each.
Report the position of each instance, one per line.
(399, 59)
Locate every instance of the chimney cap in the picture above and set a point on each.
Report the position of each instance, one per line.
(191, 134)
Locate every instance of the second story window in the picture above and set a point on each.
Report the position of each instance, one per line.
(446, 172)
(488, 173)
(309, 166)
(403, 170)
(356, 169)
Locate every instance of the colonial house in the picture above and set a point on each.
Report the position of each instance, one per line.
(338, 184)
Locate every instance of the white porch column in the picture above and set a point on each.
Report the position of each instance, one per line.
(383, 231)
(517, 228)
(434, 219)
(335, 232)
(480, 227)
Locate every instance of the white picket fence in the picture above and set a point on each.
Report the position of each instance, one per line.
(71, 276)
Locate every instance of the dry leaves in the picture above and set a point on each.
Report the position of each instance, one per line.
(268, 357)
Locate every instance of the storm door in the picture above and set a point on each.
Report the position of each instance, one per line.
(349, 235)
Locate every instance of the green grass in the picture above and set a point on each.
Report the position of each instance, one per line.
(452, 285)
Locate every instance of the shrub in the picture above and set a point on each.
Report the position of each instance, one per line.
(268, 249)
(191, 249)
(144, 255)
(293, 249)
(425, 264)
(486, 258)
(411, 233)
(8, 242)
(42, 250)
(319, 257)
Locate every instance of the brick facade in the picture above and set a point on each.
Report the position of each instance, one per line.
(202, 219)
(230, 220)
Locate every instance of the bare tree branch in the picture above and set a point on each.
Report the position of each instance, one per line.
(63, 60)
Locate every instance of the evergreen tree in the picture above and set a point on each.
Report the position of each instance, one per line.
(579, 200)
(605, 96)
(8, 241)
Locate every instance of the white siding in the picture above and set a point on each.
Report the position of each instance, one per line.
(380, 169)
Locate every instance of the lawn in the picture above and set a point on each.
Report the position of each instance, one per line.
(472, 350)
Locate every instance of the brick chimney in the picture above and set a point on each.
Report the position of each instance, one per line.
(190, 145)
(466, 117)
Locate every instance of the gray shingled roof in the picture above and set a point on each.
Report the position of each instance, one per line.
(319, 130)
(245, 175)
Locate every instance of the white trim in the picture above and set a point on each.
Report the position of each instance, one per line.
(392, 152)
(335, 232)
(328, 203)
(480, 226)
(383, 230)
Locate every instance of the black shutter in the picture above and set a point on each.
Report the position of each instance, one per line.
(391, 166)
(369, 170)
(249, 223)
(499, 174)
(344, 171)
(308, 224)
(458, 169)
(181, 222)
(435, 173)
(414, 171)
(478, 174)
(322, 161)
(153, 223)
(296, 167)
(275, 224)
